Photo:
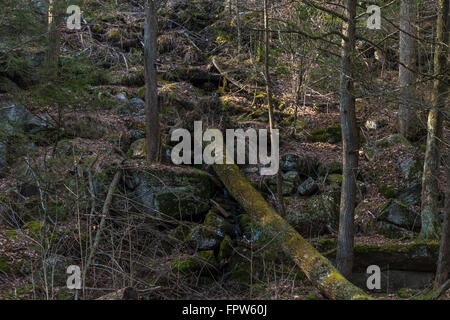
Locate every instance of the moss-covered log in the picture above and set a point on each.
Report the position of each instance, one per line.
(317, 268)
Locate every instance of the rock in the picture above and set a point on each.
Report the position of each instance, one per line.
(411, 194)
(392, 231)
(304, 166)
(371, 150)
(329, 168)
(202, 262)
(3, 160)
(320, 215)
(308, 187)
(170, 191)
(217, 224)
(420, 257)
(122, 97)
(137, 149)
(331, 134)
(87, 127)
(398, 213)
(335, 178)
(291, 177)
(138, 105)
(13, 112)
(411, 167)
(287, 187)
(136, 134)
(37, 124)
(290, 162)
(7, 86)
(202, 238)
(225, 249)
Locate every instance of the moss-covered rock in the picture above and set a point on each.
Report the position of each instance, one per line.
(308, 187)
(170, 191)
(138, 149)
(329, 168)
(399, 214)
(225, 249)
(202, 238)
(218, 224)
(421, 256)
(331, 134)
(322, 212)
(198, 263)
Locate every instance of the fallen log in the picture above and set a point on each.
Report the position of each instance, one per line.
(317, 268)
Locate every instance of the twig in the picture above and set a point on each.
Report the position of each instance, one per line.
(105, 211)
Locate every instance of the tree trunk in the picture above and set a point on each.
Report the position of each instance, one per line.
(407, 115)
(317, 268)
(344, 257)
(151, 91)
(443, 265)
(269, 101)
(238, 24)
(52, 55)
(430, 216)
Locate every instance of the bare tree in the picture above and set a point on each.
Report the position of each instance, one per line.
(269, 101)
(53, 23)
(443, 265)
(407, 115)
(439, 96)
(344, 256)
(151, 90)
(238, 24)
(430, 216)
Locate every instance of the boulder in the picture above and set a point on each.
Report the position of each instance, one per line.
(320, 215)
(217, 224)
(420, 257)
(169, 191)
(400, 215)
(372, 150)
(308, 187)
(290, 162)
(202, 238)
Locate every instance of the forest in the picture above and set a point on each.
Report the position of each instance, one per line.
(224, 150)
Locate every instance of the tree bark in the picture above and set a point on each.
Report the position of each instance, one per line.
(344, 256)
(52, 55)
(317, 268)
(407, 115)
(430, 216)
(238, 24)
(151, 91)
(443, 265)
(269, 101)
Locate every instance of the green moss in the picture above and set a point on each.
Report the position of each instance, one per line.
(4, 266)
(194, 264)
(387, 191)
(405, 292)
(141, 93)
(335, 178)
(314, 295)
(113, 34)
(331, 134)
(34, 228)
(225, 249)
(11, 234)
